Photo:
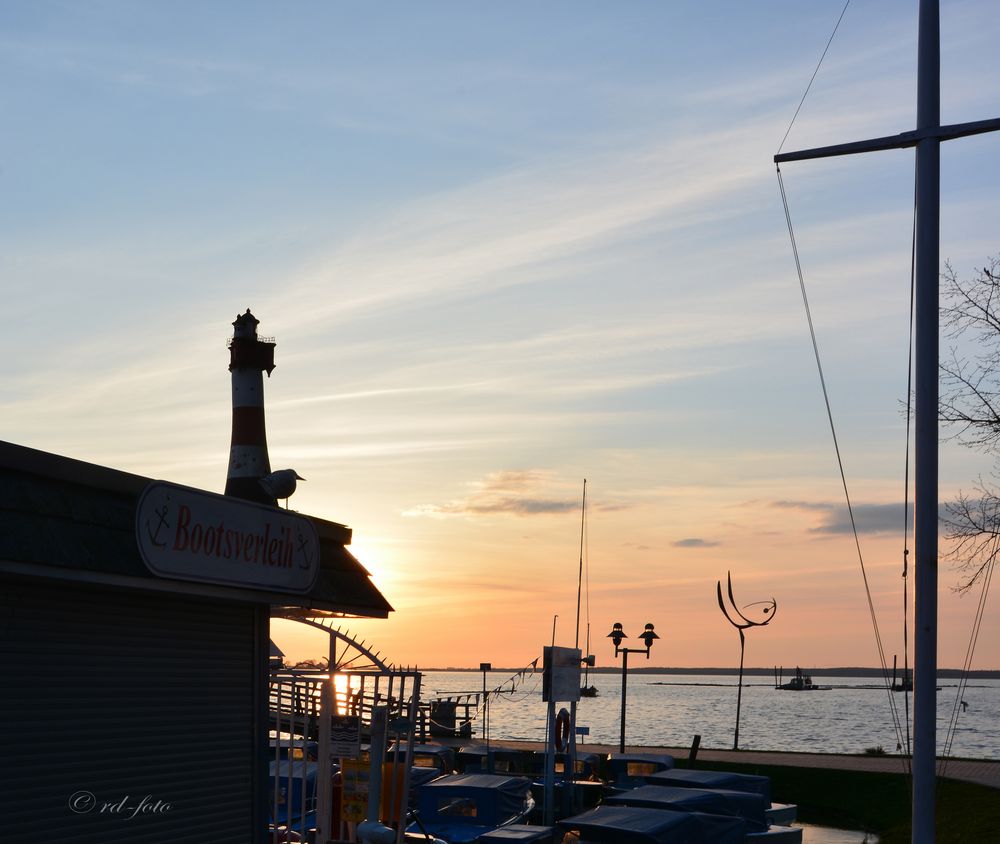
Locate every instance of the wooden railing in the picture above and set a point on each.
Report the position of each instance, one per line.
(294, 706)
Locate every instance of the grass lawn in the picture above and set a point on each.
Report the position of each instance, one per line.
(878, 803)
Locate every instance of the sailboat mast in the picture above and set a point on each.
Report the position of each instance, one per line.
(579, 580)
(927, 140)
(925, 443)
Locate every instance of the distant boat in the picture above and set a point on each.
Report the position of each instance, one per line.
(802, 683)
(905, 682)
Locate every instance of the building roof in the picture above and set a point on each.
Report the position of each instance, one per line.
(65, 518)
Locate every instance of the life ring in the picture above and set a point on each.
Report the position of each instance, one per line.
(560, 731)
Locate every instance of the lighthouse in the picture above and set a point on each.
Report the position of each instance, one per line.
(249, 357)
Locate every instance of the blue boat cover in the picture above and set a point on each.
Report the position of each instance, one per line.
(588, 765)
(519, 832)
(628, 770)
(289, 786)
(477, 799)
(661, 760)
(714, 779)
(422, 776)
(739, 804)
(632, 825)
(426, 756)
(504, 760)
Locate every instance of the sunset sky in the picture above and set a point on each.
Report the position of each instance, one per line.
(502, 248)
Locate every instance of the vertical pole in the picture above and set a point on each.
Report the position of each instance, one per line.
(621, 743)
(324, 801)
(739, 692)
(380, 729)
(579, 580)
(486, 706)
(262, 689)
(925, 521)
(549, 809)
(569, 769)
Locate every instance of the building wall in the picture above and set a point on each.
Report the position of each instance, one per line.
(128, 716)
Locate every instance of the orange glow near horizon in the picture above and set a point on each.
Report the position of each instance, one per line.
(499, 605)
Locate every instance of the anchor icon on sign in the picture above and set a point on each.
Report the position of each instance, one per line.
(303, 547)
(154, 535)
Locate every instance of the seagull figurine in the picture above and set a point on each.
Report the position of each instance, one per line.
(281, 484)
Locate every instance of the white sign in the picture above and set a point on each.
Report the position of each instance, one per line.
(561, 673)
(345, 736)
(190, 534)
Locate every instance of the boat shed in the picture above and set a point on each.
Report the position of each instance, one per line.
(134, 620)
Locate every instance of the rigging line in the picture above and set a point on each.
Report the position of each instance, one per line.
(499, 691)
(973, 640)
(586, 569)
(813, 77)
(840, 462)
(521, 674)
(906, 474)
(510, 698)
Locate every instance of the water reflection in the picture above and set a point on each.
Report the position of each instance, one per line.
(667, 710)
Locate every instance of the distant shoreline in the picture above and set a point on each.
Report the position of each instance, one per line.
(945, 673)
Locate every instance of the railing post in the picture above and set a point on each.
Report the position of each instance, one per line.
(324, 762)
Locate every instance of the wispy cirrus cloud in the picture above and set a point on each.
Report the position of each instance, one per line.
(526, 492)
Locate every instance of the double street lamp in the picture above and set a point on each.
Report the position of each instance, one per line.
(616, 635)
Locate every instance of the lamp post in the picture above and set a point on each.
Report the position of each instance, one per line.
(484, 667)
(616, 635)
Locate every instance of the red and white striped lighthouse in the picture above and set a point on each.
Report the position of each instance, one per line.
(249, 357)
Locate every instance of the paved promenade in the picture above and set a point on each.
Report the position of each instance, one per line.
(983, 772)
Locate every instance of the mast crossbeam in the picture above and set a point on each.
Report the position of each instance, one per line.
(900, 141)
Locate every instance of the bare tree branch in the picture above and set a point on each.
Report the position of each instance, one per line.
(969, 405)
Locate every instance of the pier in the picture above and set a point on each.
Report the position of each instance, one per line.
(294, 708)
(979, 771)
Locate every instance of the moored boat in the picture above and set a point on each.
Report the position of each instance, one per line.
(293, 789)
(634, 825)
(629, 770)
(775, 813)
(751, 807)
(522, 834)
(462, 807)
(802, 683)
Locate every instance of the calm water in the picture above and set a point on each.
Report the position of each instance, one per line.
(668, 709)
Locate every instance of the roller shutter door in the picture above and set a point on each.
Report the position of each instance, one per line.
(117, 704)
